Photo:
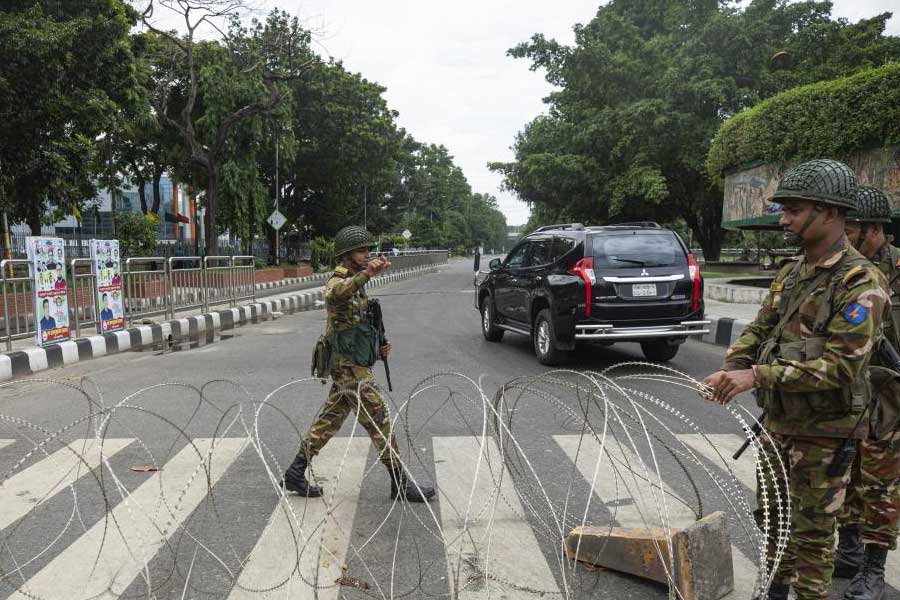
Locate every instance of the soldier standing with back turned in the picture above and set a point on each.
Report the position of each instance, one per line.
(869, 521)
(806, 354)
(348, 349)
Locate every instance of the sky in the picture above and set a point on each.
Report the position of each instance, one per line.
(447, 73)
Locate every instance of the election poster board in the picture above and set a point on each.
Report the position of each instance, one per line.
(108, 289)
(51, 300)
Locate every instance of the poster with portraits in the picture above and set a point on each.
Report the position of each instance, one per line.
(107, 273)
(51, 300)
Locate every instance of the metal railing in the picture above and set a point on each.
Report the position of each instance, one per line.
(187, 283)
(18, 294)
(146, 288)
(219, 282)
(83, 305)
(243, 271)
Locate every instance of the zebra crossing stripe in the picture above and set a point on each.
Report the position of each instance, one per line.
(483, 529)
(305, 541)
(29, 488)
(108, 557)
(611, 480)
(745, 471)
(5, 443)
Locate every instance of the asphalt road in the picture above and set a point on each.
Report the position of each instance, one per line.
(78, 525)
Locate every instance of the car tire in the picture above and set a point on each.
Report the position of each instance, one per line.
(544, 338)
(489, 328)
(659, 350)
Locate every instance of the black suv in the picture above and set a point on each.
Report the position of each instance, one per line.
(564, 284)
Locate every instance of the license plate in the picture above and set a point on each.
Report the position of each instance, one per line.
(643, 289)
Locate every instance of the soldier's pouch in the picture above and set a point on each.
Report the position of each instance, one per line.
(886, 401)
(822, 405)
(321, 358)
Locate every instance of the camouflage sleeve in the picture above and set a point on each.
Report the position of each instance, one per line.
(859, 309)
(742, 353)
(342, 289)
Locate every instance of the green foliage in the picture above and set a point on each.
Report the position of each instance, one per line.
(829, 118)
(67, 70)
(646, 86)
(322, 250)
(137, 234)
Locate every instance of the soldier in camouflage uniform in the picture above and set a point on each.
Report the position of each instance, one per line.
(806, 355)
(354, 346)
(873, 500)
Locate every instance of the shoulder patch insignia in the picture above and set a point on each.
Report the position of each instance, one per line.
(855, 276)
(341, 271)
(897, 264)
(856, 313)
(777, 286)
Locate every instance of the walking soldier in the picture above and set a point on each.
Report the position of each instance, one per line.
(347, 351)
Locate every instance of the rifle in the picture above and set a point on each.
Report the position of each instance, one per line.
(377, 319)
(756, 430)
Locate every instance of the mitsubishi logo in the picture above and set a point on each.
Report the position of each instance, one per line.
(644, 273)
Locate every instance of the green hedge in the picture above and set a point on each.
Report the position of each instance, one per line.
(828, 119)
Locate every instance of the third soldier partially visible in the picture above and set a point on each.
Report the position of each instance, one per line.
(806, 354)
(869, 521)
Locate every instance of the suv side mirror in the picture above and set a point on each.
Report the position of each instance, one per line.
(494, 264)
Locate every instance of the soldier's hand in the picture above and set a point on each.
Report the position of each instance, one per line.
(385, 350)
(376, 266)
(725, 385)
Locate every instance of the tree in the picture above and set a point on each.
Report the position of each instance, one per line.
(67, 71)
(244, 77)
(644, 90)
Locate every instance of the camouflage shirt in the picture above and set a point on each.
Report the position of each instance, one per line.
(887, 259)
(345, 299)
(811, 371)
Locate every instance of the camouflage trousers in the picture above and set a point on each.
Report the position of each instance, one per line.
(352, 390)
(873, 499)
(816, 500)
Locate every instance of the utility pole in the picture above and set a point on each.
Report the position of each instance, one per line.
(277, 195)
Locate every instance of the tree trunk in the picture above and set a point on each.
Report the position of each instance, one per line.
(34, 218)
(142, 194)
(212, 199)
(157, 175)
(706, 223)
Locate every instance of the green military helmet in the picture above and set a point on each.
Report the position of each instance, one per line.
(872, 206)
(822, 180)
(352, 237)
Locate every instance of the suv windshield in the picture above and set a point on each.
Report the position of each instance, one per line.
(637, 249)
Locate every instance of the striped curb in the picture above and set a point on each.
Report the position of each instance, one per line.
(723, 331)
(26, 362)
(292, 281)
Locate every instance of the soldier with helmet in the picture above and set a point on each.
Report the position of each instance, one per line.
(806, 355)
(869, 521)
(348, 350)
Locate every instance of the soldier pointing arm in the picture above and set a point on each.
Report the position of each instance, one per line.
(354, 347)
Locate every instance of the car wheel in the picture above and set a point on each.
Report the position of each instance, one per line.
(489, 328)
(659, 350)
(544, 337)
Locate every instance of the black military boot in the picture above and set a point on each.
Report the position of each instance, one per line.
(849, 552)
(410, 491)
(869, 581)
(777, 591)
(295, 478)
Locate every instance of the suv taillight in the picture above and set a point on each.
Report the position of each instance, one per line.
(694, 271)
(584, 268)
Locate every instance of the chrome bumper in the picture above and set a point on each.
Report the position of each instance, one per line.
(610, 332)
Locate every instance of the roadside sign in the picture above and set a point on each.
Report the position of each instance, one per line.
(276, 220)
(51, 301)
(406, 234)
